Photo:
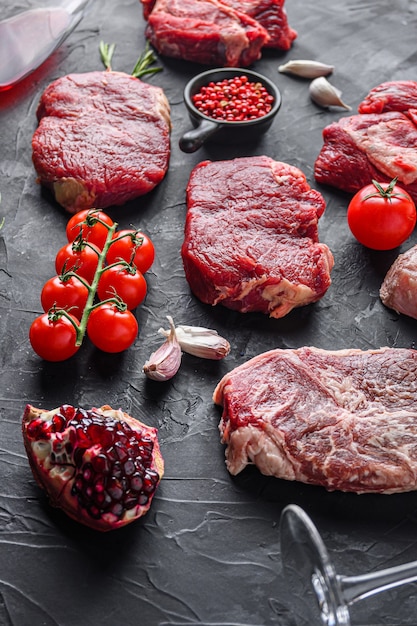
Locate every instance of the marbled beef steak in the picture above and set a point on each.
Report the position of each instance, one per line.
(379, 143)
(269, 13)
(205, 31)
(345, 420)
(272, 16)
(251, 236)
(103, 139)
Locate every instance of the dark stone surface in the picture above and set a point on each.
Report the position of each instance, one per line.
(208, 550)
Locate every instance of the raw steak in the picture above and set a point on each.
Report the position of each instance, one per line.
(399, 288)
(400, 95)
(344, 420)
(272, 16)
(205, 31)
(251, 236)
(361, 147)
(269, 13)
(103, 139)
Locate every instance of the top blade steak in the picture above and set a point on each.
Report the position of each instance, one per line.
(345, 419)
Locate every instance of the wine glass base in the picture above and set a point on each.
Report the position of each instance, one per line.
(309, 573)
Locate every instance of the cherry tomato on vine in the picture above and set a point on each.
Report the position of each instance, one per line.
(134, 247)
(127, 282)
(381, 216)
(85, 223)
(111, 329)
(82, 259)
(65, 293)
(53, 337)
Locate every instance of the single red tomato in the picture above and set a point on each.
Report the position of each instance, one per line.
(65, 293)
(381, 216)
(53, 337)
(81, 259)
(134, 247)
(111, 329)
(89, 223)
(126, 282)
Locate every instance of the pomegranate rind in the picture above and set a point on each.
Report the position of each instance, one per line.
(57, 479)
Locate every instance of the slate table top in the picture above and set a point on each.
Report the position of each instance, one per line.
(208, 550)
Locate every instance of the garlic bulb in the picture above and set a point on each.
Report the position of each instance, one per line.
(306, 69)
(165, 362)
(201, 342)
(325, 95)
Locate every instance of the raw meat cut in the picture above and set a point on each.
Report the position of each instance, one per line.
(363, 147)
(272, 16)
(399, 288)
(205, 31)
(269, 13)
(345, 420)
(103, 138)
(251, 236)
(400, 95)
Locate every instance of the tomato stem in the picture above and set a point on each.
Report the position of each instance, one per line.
(387, 193)
(92, 289)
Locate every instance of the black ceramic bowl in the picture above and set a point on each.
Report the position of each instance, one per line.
(207, 128)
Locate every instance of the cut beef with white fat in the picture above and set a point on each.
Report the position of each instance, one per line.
(345, 420)
(251, 236)
(380, 143)
(103, 139)
(205, 31)
(270, 14)
(399, 288)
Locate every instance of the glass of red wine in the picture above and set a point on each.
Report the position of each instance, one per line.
(28, 38)
(323, 595)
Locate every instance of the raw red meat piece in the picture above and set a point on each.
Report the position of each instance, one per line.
(359, 148)
(103, 139)
(400, 95)
(205, 31)
(399, 288)
(251, 238)
(272, 16)
(344, 420)
(269, 13)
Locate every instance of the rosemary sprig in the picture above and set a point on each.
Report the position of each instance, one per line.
(106, 53)
(146, 59)
(141, 68)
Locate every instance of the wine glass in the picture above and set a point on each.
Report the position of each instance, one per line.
(323, 596)
(28, 38)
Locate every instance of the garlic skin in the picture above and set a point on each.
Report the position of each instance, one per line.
(201, 342)
(165, 362)
(325, 95)
(306, 68)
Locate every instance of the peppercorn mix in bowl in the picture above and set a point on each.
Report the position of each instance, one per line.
(229, 104)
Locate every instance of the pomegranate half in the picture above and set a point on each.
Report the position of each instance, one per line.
(101, 466)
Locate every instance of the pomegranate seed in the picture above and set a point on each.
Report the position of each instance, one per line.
(112, 461)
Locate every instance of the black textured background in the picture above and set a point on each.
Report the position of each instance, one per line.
(208, 551)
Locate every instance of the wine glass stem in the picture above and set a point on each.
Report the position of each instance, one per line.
(358, 587)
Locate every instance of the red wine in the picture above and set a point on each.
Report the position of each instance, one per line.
(27, 39)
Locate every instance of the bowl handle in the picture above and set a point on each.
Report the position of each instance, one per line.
(192, 140)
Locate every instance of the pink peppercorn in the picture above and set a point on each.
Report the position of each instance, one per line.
(234, 100)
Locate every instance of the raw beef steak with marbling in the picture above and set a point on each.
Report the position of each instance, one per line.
(205, 31)
(251, 236)
(345, 420)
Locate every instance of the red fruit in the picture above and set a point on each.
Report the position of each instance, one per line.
(101, 466)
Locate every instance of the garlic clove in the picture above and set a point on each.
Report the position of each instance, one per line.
(165, 362)
(306, 68)
(204, 343)
(325, 95)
